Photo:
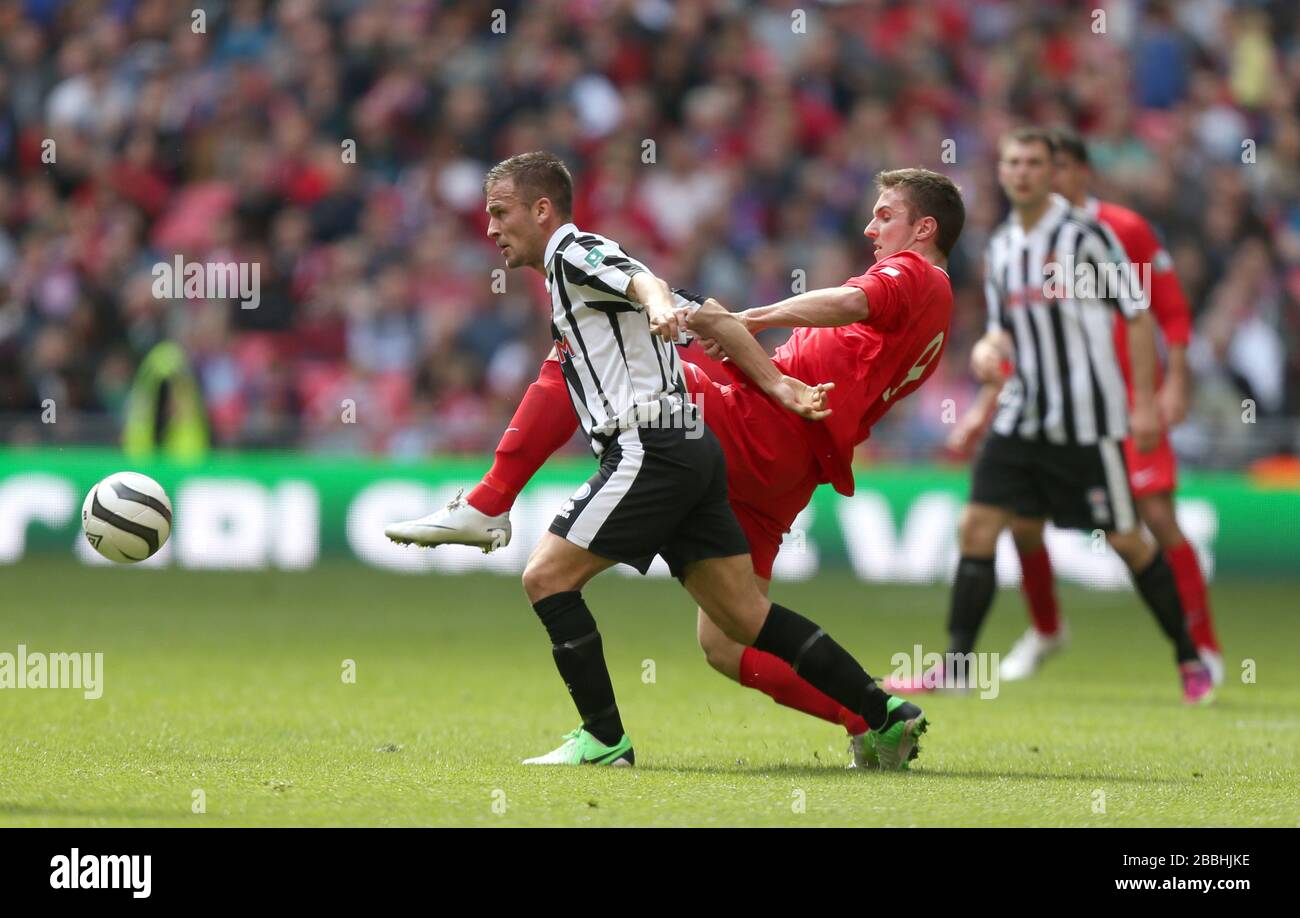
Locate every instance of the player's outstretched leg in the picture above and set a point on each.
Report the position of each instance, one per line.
(457, 523)
(1157, 511)
(772, 676)
(553, 580)
(542, 424)
(1047, 635)
(1155, 584)
(726, 591)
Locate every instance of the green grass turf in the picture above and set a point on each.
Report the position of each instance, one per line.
(231, 683)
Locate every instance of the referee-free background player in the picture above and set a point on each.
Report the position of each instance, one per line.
(1056, 446)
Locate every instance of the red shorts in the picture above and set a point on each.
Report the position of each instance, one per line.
(1155, 472)
(771, 473)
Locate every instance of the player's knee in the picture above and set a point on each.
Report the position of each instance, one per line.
(726, 614)
(1159, 518)
(1132, 548)
(534, 582)
(720, 652)
(1028, 535)
(977, 531)
(741, 617)
(543, 578)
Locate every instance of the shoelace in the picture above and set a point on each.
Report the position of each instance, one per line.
(456, 502)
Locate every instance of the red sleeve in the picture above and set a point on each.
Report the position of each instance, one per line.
(891, 287)
(1168, 305)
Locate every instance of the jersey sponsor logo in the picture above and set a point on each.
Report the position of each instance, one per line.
(563, 348)
(892, 272)
(1141, 477)
(583, 492)
(594, 257)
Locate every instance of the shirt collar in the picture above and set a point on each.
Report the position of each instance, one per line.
(554, 242)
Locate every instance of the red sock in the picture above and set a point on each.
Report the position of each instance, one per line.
(1040, 597)
(543, 423)
(773, 677)
(1191, 590)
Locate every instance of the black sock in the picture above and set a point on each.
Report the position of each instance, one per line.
(972, 597)
(1159, 591)
(826, 665)
(580, 658)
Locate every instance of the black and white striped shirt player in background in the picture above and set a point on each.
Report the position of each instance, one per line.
(661, 488)
(1055, 447)
(1066, 385)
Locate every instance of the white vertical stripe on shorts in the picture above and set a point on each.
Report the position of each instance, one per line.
(1121, 499)
(615, 488)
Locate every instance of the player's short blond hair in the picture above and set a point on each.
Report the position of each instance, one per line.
(536, 175)
(929, 194)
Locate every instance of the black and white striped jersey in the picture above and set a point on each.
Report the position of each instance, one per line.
(620, 375)
(1067, 387)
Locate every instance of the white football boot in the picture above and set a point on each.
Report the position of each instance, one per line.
(1213, 661)
(455, 524)
(1030, 651)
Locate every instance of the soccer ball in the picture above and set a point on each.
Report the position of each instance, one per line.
(127, 517)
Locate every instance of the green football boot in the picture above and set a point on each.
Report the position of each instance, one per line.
(581, 748)
(896, 743)
(862, 747)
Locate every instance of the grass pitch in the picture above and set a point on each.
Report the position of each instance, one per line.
(232, 685)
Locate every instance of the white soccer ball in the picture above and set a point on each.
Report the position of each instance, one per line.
(127, 517)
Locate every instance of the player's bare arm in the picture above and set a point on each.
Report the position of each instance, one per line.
(971, 426)
(654, 294)
(829, 307)
(1144, 419)
(713, 321)
(1175, 392)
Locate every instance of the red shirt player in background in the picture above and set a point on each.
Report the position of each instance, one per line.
(872, 341)
(1153, 476)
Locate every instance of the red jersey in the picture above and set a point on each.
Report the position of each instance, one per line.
(873, 363)
(1168, 306)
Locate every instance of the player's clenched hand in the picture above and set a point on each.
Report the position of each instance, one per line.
(1144, 425)
(663, 318)
(712, 348)
(988, 361)
(1172, 399)
(710, 319)
(811, 402)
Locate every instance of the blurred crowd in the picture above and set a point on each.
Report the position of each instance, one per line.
(341, 144)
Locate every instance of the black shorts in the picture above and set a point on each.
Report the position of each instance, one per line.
(657, 492)
(1076, 487)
